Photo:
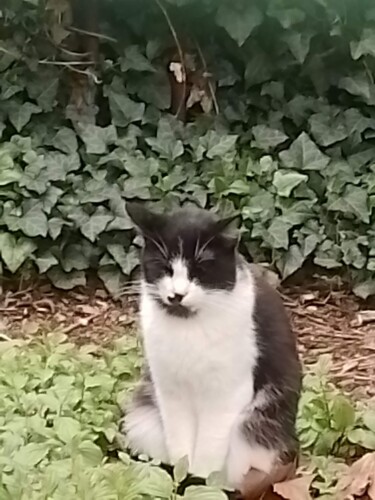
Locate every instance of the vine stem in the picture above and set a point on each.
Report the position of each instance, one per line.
(179, 50)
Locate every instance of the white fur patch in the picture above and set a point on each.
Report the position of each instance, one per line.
(202, 368)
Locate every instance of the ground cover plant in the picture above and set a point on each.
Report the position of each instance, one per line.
(276, 121)
(59, 413)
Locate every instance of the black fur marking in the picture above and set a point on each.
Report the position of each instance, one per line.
(187, 234)
(278, 375)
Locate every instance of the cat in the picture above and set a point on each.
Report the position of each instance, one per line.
(223, 377)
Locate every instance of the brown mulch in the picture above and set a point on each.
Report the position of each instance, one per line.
(326, 321)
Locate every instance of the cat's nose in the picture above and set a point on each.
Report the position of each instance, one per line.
(175, 299)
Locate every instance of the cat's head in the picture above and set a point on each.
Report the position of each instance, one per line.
(188, 257)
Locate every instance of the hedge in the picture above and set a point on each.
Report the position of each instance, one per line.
(264, 107)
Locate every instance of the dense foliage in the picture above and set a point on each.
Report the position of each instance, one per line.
(59, 418)
(277, 123)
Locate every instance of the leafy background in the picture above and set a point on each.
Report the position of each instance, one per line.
(278, 124)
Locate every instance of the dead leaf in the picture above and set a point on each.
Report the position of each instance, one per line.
(295, 489)
(359, 480)
(258, 485)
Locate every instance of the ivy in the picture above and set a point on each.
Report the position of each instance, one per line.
(277, 124)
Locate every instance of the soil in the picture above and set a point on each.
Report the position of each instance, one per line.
(326, 320)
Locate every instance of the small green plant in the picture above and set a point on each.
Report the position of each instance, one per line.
(59, 414)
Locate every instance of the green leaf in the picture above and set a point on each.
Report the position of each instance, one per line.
(328, 255)
(113, 279)
(358, 85)
(365, 46)
(299, 44)
(362, 437)
(91, 453)
(365, 289)
(66, 281)
(34, 222)
(239, 21)
(342, 413)
(286, 180)
(292, 261)
(279, 233)
(165, 143)
(46, 261)
(135, 60)
(66, 428)
(123, 109)
(20, 114)
(95, 225)
(15, 252)
(66, 140)
(220, 145)
(181, 469)
(31, 454)
(369, 419)
(327, 130)
(354, 201)
(127, 260)
(203, 493)
(43, 89)
(303, 154)
(267, 138)
(74, 257)
(96, 138)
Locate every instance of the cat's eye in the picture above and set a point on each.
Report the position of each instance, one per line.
(168, 270)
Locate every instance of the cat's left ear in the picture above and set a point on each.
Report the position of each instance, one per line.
(145, 220)
(228, 227)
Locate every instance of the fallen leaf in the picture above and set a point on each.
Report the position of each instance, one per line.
(294, 489)
(258, 485)
(359, 480)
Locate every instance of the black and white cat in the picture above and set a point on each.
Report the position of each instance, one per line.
(223, 377)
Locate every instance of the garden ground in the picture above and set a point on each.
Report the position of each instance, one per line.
(326, 319)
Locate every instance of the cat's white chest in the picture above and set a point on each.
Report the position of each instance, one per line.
(202, 368)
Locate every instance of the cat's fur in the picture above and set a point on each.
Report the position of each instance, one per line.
(223, 377)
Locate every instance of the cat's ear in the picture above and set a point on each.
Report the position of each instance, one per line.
(145, 220)
(228, 227)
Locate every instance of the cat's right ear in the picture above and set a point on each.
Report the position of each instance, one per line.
(144, 219)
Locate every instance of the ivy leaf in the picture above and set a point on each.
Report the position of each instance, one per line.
(43, 87)
(20, 114)
(135, 60)
(365, 289)
(365, 46)
(66, 140)
(66, 281)
(34, 222)
(279, 233)
(112, 278)
(95, 225)
(46, 261)
(304, 154)
(299, 44)
(15, 252)
(354, 201)
(342, 413)
(96, 138)
(286, 180)
(358, 84)
(328, 255)
(239, 22)
(127, 260)
(74, 257)
(123, 109)
(292, 261)
(327, 130)
(166, 143)
(267, 138)
(220, 145)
